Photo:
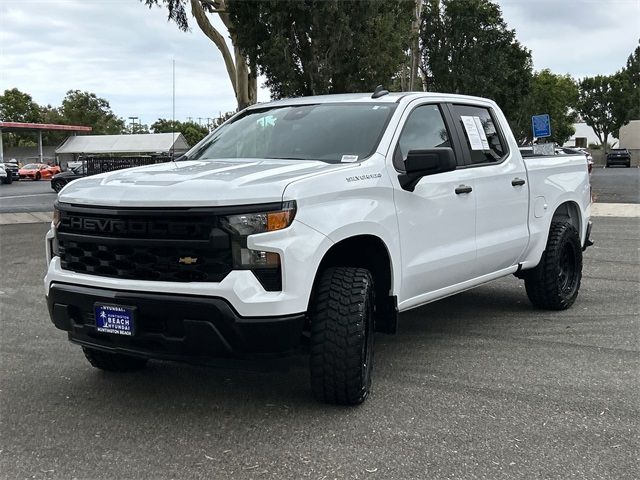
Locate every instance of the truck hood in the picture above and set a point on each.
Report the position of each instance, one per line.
(194, 183)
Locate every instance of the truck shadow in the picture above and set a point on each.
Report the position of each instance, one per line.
(254, 388)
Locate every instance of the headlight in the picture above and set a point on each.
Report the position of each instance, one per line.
(265, 265)
(251, 223)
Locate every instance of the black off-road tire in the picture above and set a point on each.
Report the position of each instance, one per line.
(554, 283)
(342, 330)
(113, 362)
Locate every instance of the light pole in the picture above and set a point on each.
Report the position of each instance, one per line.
(133, 123)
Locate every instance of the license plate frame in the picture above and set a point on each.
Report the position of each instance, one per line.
(115, 319)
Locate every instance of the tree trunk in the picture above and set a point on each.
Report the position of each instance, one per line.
(415, 45)
(244, 83)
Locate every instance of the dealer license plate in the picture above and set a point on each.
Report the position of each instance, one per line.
(115, 319)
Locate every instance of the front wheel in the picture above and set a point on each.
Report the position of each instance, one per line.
(57, 186)
(37, 176)
(113, 362)
(554, 283)
(342, 336)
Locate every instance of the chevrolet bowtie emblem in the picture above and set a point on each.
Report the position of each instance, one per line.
(188, 260)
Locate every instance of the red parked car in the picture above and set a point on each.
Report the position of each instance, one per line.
(36, 171)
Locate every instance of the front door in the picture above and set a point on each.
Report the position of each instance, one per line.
(436, 223)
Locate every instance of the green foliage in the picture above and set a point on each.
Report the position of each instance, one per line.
(554, 94)
(135, 128)
(317, 47)
(85, 108)
(631, 74)
(17, 106)
(192, 131)
(177, 11)
(468, 49)
(605, 104)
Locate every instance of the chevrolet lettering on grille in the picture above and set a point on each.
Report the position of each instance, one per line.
(124, 227)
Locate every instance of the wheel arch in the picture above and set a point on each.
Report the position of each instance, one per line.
(569, 211)
(370, 252)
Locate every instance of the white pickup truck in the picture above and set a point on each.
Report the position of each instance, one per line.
(312, 222)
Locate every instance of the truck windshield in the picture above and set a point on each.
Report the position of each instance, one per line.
(328, 132)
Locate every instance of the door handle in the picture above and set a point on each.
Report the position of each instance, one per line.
(516, 182)
(463, 189)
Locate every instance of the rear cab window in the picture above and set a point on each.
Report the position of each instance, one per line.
(483, 138)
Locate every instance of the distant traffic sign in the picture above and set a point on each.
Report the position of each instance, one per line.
(541, 126)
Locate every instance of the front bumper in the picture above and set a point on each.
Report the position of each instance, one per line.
(304, 248)
(173, 327)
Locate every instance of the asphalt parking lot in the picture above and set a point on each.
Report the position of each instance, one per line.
(479, 385)
(27, 196)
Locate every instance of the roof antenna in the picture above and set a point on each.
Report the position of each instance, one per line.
(379, 92)
(173, 115)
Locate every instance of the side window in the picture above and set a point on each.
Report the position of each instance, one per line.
(423, 129)
(483, 139)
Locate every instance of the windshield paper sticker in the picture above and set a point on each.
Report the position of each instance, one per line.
(472, 132)
(349, 158)
(483, 135)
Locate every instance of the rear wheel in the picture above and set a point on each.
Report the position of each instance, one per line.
(554, 283)
(8, 179)
(113, 362)
(342, 336)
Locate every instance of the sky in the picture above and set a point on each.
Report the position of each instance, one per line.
(123, 51)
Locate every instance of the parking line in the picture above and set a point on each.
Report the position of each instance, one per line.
(29, 195)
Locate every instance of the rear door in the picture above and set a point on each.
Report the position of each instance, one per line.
(436, 224)
(500, 188)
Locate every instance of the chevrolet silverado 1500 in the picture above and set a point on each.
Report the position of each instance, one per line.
(312, 221)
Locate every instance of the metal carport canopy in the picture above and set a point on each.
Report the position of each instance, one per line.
(136, 143)
(37, 127)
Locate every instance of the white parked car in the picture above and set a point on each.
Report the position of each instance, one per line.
(318, 218)
(5, 177)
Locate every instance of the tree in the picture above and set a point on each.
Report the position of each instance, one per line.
(554, 94)
(85, 108)
(243, 78)
(468, 49)
(135, 128)
(192, 131)
(605, 104)
(317, 47)
(17, 106)
(631, 74)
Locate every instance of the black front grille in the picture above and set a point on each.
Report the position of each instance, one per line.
(145, 262)
(177, 245)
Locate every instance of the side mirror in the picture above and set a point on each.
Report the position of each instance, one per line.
(421, 163)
